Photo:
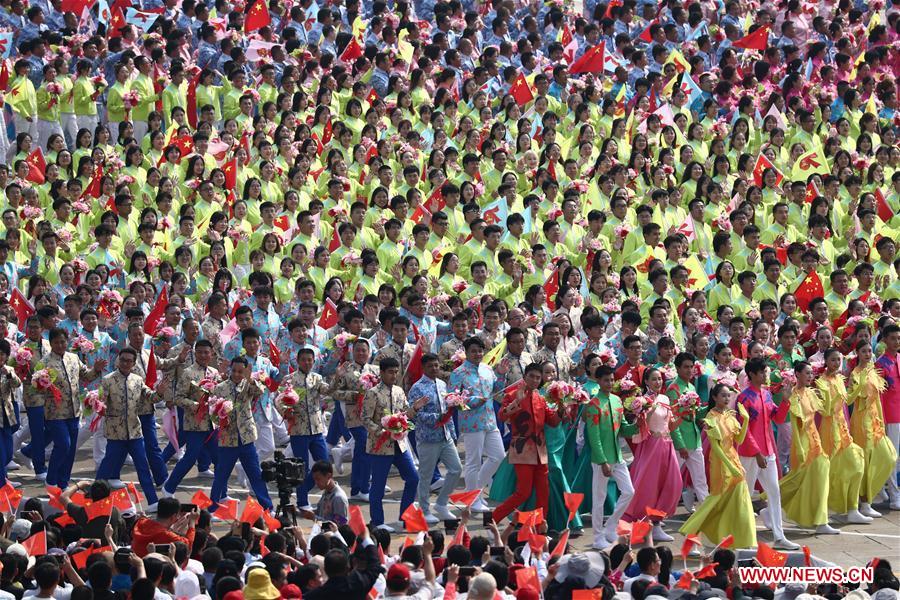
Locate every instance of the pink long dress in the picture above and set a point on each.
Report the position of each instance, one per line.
(654, 471)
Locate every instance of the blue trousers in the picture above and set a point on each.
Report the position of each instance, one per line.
(64, 433)
(196, 444)
(381, 466)
(39, 434)
(111, 465)
(337, 428)
(204, 459)
(227, 458)
(301, 445)
(151, 445)
(360, 468)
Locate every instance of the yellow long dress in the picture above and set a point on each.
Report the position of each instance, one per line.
(727, 510)
(847, 459)
(804, 491)
(867, 429)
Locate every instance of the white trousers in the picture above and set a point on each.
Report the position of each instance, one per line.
(484, 453)
(70, 128)
(768, 478)
(599, 482)
(23, 125)
(893, 433)
(45, 129)
(697, 468)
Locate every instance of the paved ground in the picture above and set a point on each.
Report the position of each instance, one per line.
(855, 546)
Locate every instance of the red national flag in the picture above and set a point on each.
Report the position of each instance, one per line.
(227, 510)
(4, 76)
(639, 531)
(81, 558)
(414, 369)
(884, 210)
(530, 517)
(465, 498)
(609, 9)
(100, 508)
(769, 557)
(263, 550)
(551, 287)
(561, 543)
(420, 214)
(689, 542)
(763, 163)
(22, 306)
(283, 222)
(253, 510)
(135, 494)
(329, 316)
(591, 61)
(10, 498)
(528, 577)
(93, 187)
(592, 594)
(116, 22)
(357, 522)
(36, 545)
(521, 91)
(807, 556)
(121, 499)
(54, 494)
(566, 38)
(151, 375)
(327, 133)
(192, 100)
(271, 522)
(573, 501)
(37, 166)
(654, 513)
(230, 169)
(155, 317)
(536, 543)
(757, 40)
(645, 34)
(811, 192)
(158, 85)
(436, 200)
(687, 578)
(257, 17)
(274, 353)
(707, 571)
(414, 519)
(352, 51)
(811, 287)
(727, 541)
(335, 242)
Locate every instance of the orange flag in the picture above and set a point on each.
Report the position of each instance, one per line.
(573, 501)
(687, 578)
(528, 577)
(465, 498)
(414, 519)
(769, 557)
(727, 541)
(271, 522)
(639, 531)
(252, 511)
(654, 513)
(560, 547)
(707, 571)
(594, 594)
(227, 510)
(36, 545)
(100, 508)
(201, 500)
(689, 542)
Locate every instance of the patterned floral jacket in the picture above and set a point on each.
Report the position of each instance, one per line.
(347, 390)
(70, 373)
(39, 350)
(560, 358)
(241, 428)
(189, 397)
(306, 417)
(123, 395)
(163, 366)
(9, 381)
(382, 401)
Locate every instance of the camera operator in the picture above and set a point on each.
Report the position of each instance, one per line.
(333, 505)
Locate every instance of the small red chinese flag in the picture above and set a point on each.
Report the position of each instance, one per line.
(227, 510)
(121, 499)
(151, 374)
(727, 541)
(528, 577)
(252, 511)
(639, 531)
(352, 51)
(357, 522)
(655, 513)
(100, 508)
(201, 500)
(689, 542)
(757, 40)
(36, 545)
(769, 557)
(884, 210)
(561, 544)
(414, 519)
(329, 316)
(271, 522)
(591, 61)
(274, 353)
(536, 542)
(809, 288)
(37, 166)
(283, 222)
(687, 578)
(230, 169)
(707, 571)
(465, 498)
(21, 306)
(257, 17)
(573, 501)
(521, 91)
(807, 556)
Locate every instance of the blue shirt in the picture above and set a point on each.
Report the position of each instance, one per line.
(429, 429)
(478, 381)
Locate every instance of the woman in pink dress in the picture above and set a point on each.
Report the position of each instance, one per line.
(654, 471)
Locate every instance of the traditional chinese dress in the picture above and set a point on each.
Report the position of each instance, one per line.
(847, 459)
(867, 429)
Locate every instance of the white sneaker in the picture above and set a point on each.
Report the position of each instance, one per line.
(151, 508)
(40, 476)
(166, 494)
(895, 504)
(116, 484)
(480, 506)
(826, 529)
(431, 519)
(785, 544)
(857, 518)
(881, 496)
(207, 474)
(661, 536)
(386, 527)
(337, 458)
(387, 490)
(866, 509)
(437, 485)
(13, 466)
(306, 507)
(443, 513)
(360, 497)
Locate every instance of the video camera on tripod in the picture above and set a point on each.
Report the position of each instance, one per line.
(287, 473)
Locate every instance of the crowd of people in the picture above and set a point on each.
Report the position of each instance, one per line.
(554, 262)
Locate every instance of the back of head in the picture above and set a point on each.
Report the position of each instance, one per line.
(336, 563)
(482, 587)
